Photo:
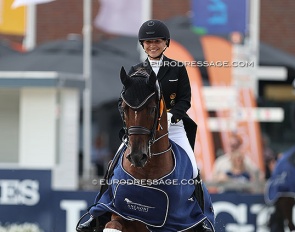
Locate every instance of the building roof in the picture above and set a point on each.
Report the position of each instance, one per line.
(109, 55)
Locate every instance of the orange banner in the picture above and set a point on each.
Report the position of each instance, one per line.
(217, 49)
(204, 147)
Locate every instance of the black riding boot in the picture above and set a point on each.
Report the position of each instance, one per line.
(202, 227)
(199, 194)
(94, 224)
(89, 226)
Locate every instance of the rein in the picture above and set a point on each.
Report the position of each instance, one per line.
(162, 152)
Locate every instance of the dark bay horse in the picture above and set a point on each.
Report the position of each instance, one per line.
(151, 186)
(280, 192)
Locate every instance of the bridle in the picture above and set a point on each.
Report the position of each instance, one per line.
(140, 130)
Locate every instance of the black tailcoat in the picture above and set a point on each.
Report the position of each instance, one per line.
(176, 89)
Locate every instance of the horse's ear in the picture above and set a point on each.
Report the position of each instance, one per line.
(123, 76)
(152, 79)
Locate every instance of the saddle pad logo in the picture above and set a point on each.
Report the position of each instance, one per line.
(147, 204)
(137, 207)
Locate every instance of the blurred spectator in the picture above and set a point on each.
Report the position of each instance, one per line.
(101, 155)
(238, 171)
(269, 156)
(235, 165)
(223, 163)
(237, 174)
(270, 162)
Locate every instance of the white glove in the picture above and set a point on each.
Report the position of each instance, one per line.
(169, 116)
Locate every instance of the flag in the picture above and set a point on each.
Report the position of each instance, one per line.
(18, 3)
(12, 21)
(121, 17)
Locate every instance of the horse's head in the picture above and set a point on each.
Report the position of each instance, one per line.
(142, 108)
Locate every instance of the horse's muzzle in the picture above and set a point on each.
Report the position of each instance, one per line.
(138, 160)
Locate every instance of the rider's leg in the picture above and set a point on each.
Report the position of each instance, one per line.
(178, 135)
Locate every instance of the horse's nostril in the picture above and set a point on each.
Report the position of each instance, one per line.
(138, 160)
(129, 157)
(144, 157)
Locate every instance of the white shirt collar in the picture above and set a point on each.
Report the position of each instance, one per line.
(156, 63)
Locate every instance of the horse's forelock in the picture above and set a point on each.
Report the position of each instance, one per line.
(140, 73)
(137, 90)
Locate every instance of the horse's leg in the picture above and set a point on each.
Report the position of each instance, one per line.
(135, 226)
(290, 220)
(276, 221)
(115, 225)
(111, 230)
(118, 224)
(286, 207)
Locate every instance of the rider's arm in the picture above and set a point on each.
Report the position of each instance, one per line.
(183, 95)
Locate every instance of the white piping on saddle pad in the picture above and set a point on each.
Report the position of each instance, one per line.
(111, 230)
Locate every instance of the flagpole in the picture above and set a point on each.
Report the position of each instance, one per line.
(30, 37)
(146, 10)
(254, 41)
(146, 14)
(87, 34)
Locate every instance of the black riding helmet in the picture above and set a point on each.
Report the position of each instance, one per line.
(153, 29)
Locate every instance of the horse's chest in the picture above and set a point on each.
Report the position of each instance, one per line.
(153, 202)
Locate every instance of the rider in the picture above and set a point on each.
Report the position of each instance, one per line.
(154, 37)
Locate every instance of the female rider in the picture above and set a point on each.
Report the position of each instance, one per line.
(154, 38)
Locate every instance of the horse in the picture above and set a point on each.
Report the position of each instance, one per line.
(143, 192)
(280, 192)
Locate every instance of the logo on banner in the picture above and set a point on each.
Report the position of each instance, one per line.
(220, 16)
(19, 192)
